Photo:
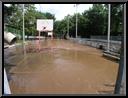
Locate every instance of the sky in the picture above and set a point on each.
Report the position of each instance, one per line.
(62, 10)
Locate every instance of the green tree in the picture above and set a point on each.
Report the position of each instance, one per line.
(116, 19)
(95, 20)
(49, 16)
(14, 17)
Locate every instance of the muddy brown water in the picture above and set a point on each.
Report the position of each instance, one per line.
(60, 67)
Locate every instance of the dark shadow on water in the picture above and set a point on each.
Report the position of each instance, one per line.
(111, 59)
(9, 64)
(7, 68)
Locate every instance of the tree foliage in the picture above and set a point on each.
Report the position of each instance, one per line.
(14, 15)
(93, 21)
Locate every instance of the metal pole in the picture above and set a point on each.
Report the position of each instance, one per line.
(39, 36)
(76, 20)
(68, 26)
(23, 26)
(124, 71)
(109, 14)
(120, 87)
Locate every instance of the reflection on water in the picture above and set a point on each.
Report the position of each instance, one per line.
(60, 67)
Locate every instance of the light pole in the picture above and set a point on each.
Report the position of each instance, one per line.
(76, 19)
(68, 26)
(109, 14)
(120, 87)
(23, 26)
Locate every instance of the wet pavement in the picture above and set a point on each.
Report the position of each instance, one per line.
(59, 67)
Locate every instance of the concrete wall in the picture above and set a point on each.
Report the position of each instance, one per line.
(97, 43)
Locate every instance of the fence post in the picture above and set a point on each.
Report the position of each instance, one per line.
(120, 87)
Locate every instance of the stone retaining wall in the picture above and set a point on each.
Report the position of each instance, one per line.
(101, 44)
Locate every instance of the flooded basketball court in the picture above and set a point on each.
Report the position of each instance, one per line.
(60, 67)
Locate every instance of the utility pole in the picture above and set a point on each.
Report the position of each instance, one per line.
(68, 26)
(76, 19)
(120, 87)
(109, 14)
(23, 26)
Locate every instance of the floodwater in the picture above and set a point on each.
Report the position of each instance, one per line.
(60, 67)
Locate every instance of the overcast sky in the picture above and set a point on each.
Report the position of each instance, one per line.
(61, 10)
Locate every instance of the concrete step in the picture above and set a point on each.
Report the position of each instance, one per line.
(111, 55)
